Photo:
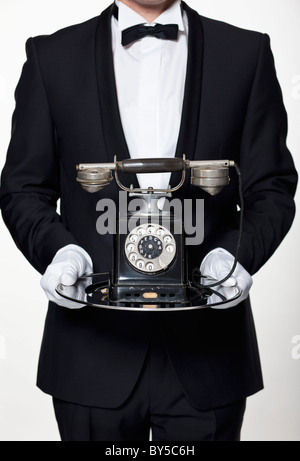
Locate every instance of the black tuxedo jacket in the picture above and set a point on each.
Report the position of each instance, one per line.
(67, 113)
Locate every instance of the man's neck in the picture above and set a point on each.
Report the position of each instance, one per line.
(148, 11)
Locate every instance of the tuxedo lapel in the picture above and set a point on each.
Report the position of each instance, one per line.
(192, 94)
(113, 133)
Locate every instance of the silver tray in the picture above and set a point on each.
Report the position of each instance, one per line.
(91, 290)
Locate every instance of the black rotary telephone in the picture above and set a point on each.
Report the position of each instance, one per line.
(149, 261)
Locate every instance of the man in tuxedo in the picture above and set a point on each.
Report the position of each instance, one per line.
(104, 88)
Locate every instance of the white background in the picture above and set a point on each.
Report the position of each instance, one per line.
(25, 412)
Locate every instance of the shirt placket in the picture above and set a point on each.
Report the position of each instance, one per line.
(150, 49)
(149, 129)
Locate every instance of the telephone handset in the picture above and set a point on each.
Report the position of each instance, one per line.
(149, 262)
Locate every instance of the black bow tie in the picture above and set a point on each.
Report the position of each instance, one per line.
(166, 32)
(131, 34)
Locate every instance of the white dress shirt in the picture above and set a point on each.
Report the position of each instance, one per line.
(150, 78)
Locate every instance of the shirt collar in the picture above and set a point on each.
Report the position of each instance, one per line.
(128, 17)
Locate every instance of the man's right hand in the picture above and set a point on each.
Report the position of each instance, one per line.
(68, 265)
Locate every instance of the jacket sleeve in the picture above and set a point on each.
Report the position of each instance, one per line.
(30, 178)
(268, 172)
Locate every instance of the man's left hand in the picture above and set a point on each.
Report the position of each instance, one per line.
(216, 266)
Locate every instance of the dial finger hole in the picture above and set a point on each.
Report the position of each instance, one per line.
(167, 239)
(150, 267)
(140, 264)
(133, 257)
(130, 247)
(133, 238)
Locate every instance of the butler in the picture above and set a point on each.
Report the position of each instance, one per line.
(113, 86)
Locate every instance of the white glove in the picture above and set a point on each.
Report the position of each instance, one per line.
(216, 266)
(70, 263)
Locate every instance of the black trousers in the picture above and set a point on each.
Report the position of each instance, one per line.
(157, 403)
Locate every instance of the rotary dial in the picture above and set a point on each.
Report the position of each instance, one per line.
(150, 248)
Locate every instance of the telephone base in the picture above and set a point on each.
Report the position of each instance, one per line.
(150, 294)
